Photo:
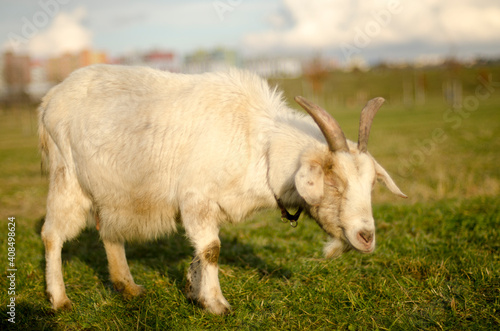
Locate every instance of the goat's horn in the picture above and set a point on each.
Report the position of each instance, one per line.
(365, 122)
(327, 124)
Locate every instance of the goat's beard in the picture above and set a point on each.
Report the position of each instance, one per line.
(335, 247)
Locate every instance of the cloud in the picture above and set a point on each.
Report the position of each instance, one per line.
(66, 33)
(327, 24)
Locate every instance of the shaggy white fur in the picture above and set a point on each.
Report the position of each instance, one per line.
(140, 149)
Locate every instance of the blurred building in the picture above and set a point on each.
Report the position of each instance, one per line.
(57, 69)
(357, 63)
(281, 67)
(16, 76)
(39, 84)
(166, 61)
(220, 59)
(215, 60)
(24, 79)
(161, 60)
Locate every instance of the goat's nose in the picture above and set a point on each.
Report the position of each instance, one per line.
(365, 236)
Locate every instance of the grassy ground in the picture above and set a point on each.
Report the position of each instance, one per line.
(436, 265)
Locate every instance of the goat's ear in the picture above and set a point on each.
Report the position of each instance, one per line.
(309, 182)
(383, 176)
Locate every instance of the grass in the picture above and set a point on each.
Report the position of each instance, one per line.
(436, 266)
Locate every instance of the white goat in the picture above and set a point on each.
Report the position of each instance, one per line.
(140, 150)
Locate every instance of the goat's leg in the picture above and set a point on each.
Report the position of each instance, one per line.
(119, 271)
(203, 280)
(203, 275)
(67, 209)
(56, 291)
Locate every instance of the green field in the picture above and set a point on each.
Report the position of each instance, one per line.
(436, 266)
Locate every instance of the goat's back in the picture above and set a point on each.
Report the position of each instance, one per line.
(138, 140)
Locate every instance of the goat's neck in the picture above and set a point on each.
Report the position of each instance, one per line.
(287, 145)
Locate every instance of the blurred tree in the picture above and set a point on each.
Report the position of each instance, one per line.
(316, 72)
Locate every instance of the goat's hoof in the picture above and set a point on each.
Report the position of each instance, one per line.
(62, 304)
(133, 291)
(217, 306)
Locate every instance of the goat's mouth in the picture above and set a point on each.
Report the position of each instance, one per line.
(343, 240)
(366, 251)
(335, 247)
(363, 241)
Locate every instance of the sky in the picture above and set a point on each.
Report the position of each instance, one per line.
(377, 30)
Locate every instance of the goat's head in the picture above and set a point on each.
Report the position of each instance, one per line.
(337, 184)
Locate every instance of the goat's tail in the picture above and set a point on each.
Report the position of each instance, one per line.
(43, 136)
(43, 140)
